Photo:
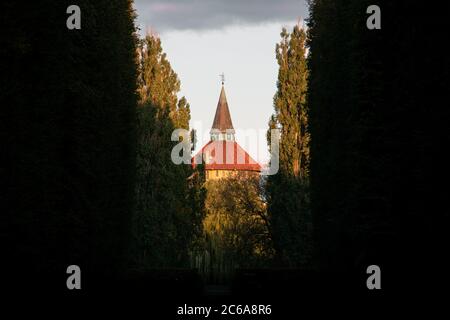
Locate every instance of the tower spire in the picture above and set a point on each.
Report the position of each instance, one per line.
(222, 128)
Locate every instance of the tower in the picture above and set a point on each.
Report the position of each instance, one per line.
(222, 155)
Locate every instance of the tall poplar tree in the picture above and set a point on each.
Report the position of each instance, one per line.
(378, 132)
(70, 147)
(165, 217)
(288, 189)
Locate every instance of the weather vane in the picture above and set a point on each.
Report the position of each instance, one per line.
(222, 77)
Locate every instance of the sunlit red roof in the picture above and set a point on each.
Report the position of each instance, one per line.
(225, 155)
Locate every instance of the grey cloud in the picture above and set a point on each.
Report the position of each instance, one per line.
(215, 14)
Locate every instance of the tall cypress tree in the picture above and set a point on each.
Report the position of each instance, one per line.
(72, 101)
(289, 214)
(165, 221)
(376, 140)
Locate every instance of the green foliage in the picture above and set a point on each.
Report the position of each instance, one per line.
(197, 197)
(291, 113)
(349, 160)
(287, 191)
(168, 206)
(236, 225)
(72, 102)
(377, 134)
(182, 115)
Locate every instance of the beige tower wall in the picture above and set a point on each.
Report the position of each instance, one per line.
(221, 174)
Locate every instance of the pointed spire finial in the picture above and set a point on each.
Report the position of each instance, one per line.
(222, 77)
(222, 128)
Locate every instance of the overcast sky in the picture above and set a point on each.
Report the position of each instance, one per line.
(203, 38)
